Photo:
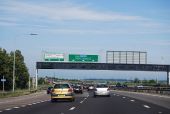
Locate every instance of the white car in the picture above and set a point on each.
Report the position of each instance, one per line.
(102, 90)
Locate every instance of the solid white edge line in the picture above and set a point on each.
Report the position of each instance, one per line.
(146, 106)
(16, 107)
(155, 95)
(72, 108)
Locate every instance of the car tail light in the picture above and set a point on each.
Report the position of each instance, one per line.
(52, 90)
(70, 90)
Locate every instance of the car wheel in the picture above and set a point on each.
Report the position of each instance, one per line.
(72, 100)
(52, 100)
(95, 96)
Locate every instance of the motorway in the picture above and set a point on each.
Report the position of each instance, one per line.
(118, 103)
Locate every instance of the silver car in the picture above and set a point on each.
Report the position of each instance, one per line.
(102, 90)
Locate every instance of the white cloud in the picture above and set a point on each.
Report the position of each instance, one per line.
(7, 21)
(115, 31)
(18, 13)
(66, 12)
(160, 43)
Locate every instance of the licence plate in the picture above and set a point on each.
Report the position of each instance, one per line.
(61, 95)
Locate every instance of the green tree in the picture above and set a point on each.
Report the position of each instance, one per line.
(136, 80)
(21, 71)
(152, 82)
(145, 82)
(41, 81)
(5, 69)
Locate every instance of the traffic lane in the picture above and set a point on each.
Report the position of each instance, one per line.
(46, 107)
(88, 105)
(23, 100)
(117, 104)
(160, 100)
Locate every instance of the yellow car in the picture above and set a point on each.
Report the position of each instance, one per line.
(62, 91)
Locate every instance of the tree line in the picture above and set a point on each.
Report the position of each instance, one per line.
(6, 69)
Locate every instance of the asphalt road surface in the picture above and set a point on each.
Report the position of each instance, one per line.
(86, 104)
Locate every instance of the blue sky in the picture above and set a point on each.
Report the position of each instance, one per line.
(87, 27)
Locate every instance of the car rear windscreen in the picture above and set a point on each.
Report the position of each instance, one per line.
(61, 86)
(102, 86)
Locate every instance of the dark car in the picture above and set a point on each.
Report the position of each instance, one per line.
(49, 89)
(91, 88)
(78, 89)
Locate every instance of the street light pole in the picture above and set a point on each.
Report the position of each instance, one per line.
(14, 61)
(36, 75)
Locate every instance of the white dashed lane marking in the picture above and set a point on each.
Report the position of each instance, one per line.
(8, 109)
(72, 108)
(38, 102)
(23, 105)
(132, 100)
(83, 100)
(16, 107)
(123, 97)
(29, 104)
(146, 106)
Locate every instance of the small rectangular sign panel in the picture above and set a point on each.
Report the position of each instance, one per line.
(53, 57)
(3, 80)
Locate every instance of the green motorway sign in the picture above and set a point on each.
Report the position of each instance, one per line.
(83, 58)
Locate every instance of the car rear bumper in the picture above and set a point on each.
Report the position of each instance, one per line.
(62, 96)
(104, 93)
